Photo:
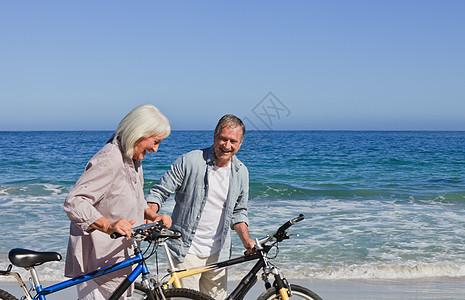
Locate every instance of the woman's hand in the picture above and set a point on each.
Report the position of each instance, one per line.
(122, 226)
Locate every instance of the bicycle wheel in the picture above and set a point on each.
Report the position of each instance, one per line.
(140, 292)
(4, 295)
(298, 292)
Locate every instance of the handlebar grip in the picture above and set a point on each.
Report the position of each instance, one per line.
(291, 222)
(116, 235)
(299, 218)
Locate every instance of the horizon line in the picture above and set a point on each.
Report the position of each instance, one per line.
(249, 130)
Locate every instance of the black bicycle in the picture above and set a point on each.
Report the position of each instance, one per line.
(280, 289)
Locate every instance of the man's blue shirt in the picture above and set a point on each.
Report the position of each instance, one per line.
(188, 179)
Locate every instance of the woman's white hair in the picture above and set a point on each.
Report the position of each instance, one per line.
(142, 122)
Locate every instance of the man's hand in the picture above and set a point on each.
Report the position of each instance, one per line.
(152, 216)
(243, 231)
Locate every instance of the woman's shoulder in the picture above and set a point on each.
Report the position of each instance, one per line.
(109, 154)
(110, 149)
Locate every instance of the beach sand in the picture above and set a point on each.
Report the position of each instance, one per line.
(446, 288)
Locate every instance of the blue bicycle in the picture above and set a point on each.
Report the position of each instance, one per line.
(154, 233)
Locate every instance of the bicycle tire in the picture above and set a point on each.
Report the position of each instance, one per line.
(182, 293)
(4, 295)
(178, 293)
(298, 292)
(140, 292)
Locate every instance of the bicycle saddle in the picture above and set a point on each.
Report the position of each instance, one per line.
(27, 258)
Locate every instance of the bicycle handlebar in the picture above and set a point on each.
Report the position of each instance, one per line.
(290, 223)
(158, 230)
(141, 230)
(280, 234)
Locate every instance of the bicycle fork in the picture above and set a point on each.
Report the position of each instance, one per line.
(280, 284)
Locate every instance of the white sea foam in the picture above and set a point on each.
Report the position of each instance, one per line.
(391, 271)
(54, 271)
(55, 189)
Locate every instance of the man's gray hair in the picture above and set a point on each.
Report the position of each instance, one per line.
(230, 121)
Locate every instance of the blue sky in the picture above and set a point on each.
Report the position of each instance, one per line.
(350, 65)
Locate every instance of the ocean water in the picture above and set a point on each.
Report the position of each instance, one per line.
(377, 205)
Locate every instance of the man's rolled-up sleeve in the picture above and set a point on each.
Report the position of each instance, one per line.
(168, 184)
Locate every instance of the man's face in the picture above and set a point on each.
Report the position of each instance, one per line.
(226, 144)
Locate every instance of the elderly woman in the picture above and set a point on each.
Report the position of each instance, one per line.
(108, 198)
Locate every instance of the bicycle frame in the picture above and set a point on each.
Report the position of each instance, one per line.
(249, 280)
(138, 259)
(245, 284)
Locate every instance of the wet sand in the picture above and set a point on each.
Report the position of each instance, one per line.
(443, 288)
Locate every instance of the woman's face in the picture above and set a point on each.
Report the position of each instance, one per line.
(146, 145)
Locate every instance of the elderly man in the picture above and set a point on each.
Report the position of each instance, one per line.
(211, 192)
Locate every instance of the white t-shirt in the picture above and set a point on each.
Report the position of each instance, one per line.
(207, 238)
